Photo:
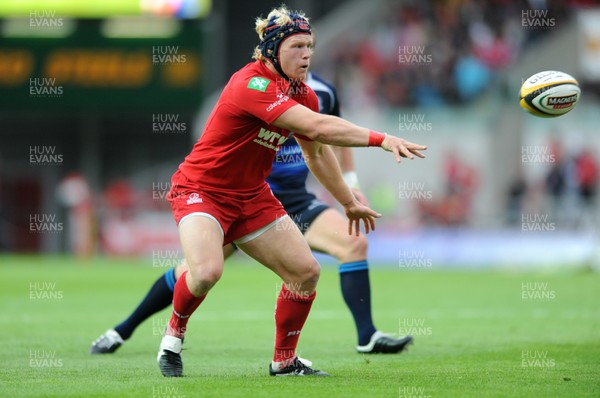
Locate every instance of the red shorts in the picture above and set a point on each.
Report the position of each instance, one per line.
(238, 214)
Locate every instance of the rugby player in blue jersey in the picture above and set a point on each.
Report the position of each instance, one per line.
(325, 230)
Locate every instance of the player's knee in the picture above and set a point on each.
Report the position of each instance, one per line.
(314, 272)
(205, 275)
(304, 273)
(310, 274)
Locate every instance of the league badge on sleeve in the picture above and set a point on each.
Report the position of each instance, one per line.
(258, 83)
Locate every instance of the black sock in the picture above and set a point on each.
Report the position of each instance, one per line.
(159, 297)
(354, 280)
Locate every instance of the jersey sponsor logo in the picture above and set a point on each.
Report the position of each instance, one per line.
(258, 83)
(270, 139)
(194, 198)
(281, 98)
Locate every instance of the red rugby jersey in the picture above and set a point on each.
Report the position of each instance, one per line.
(238, 145)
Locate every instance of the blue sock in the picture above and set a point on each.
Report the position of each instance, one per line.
(159, 297)
(354, 280)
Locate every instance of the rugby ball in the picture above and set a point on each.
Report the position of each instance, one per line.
(549, 94)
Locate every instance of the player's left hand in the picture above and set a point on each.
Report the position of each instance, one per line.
(356, 211)
(360, 197)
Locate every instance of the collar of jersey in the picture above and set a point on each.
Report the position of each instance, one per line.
(271, 75)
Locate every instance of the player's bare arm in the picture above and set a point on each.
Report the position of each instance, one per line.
(346, 160)
(337, 131)
(321, 161)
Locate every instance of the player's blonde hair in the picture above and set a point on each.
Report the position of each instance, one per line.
(281, 16)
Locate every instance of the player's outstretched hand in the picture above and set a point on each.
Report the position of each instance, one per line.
(402, 148)
(360, 197)
(355, 211)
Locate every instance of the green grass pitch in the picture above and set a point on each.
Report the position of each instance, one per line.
(477, 334)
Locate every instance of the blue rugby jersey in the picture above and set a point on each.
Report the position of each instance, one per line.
(289, 171)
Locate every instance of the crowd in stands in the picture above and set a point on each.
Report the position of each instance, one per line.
(428, 53)
(567, 193)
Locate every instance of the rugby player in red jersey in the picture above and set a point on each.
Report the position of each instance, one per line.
(220, 196)
(323, 228)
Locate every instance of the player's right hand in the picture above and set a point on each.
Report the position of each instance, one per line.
(402, 148)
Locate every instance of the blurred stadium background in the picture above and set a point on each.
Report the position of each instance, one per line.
(99, 103)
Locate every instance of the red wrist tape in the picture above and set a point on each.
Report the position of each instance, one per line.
(375, 138)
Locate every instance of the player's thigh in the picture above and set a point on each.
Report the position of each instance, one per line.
(328, 233)
(228, 250)
(202, 242)
(283, 249)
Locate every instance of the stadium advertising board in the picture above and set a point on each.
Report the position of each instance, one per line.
(86, 69)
